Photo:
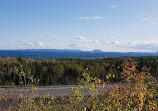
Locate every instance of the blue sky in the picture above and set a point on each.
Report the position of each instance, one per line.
(108, 25)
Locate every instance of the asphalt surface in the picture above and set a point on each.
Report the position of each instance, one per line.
(51, 90)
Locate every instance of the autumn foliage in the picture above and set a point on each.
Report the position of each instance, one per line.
(137, 91)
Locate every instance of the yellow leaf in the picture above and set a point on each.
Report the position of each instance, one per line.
(107, 77)
(21, 95)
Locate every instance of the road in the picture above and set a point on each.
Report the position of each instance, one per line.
(51, 90)
(64, 90)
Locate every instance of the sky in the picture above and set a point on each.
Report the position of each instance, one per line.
(107, 25)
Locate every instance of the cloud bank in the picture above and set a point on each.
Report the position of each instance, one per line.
(88, 43)
(84, 43)
(31, 45)
(90, 18)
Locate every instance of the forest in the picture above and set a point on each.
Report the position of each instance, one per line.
(69, 70)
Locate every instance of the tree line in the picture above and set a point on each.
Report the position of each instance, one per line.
(69, 70)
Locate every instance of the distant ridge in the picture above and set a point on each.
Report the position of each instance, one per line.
(97, 51)
(68, 53)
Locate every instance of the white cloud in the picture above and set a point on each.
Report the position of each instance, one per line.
(145, 46)
(96, 17)
(34, 34)
(90, 18)
(143, 19)
(95, 41)
(115, 43)
(39, 43)
(74, 46)
(124, 46)
(82, 43)
(90, 43)
(114, 6)
(29, 44)
(148, 20)
(80, 38)
(83, 18)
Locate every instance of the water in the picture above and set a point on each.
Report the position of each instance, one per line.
(45, 54)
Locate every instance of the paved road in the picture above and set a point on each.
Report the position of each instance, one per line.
(51, 90)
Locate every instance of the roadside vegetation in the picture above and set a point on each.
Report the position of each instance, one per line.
(135, 85)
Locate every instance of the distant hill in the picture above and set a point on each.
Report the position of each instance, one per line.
(67, 53)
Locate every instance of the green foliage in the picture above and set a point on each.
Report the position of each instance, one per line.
(68, 71)
(136, 91)
(25, 75)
